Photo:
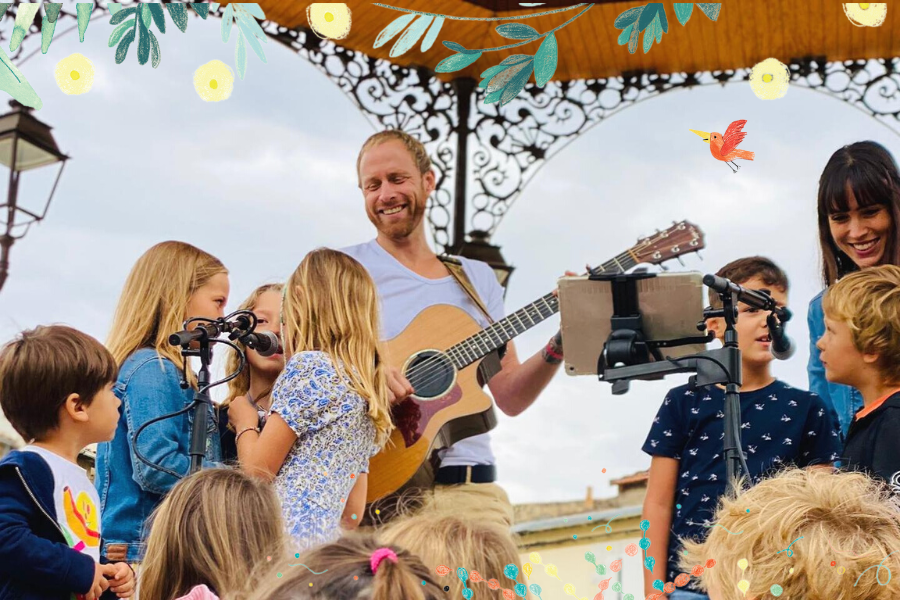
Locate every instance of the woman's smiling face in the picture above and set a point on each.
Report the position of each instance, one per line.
(862, 233)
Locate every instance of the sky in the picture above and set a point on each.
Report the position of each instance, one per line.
(260, 179)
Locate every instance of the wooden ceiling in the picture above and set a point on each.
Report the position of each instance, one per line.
(747, 31)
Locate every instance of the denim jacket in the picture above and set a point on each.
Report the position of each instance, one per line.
(148, 386)
(847, 401)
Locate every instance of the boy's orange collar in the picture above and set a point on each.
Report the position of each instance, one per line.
(866, 411)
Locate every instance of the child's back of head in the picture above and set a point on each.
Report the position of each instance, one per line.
(43, 367)
(843, 519)
(214, 528)
(448, 539)
(355, 567)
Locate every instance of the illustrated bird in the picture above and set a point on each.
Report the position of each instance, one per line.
(724, 147)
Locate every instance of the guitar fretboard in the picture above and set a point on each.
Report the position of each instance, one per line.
(489, 339)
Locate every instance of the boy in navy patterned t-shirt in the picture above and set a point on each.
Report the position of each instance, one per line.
(779, 425)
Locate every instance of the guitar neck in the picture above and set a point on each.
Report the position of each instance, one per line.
(489, 339)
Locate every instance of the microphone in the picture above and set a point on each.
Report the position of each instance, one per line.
(236, 326)
(754, 298)
(782, 346)
(265, 343)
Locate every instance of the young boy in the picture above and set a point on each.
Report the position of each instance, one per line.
(807, 534)
(56, 390)
(861, 347)
(779, 425)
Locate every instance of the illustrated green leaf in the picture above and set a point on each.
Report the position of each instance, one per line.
(201, 8)
(516, 84)
(114, 7)
(515, 59)
(143, 48)
(51, 11)
(83, 10)
(48, 25)
(487, 75)
(433, 32)
(683, 11)
(493, 97)
(710, 9)
(24, 18)
(251, 40)
(154, 50)
(459, 48)
(119, 31)
(545, 60)
(626, 33)
(145, 15)
(628, 17)
(254, 9)
(227, 19)
(633, 42)
(240, 56)
(178, 14)
(502, 79)
(159, 17)
(517, 31)
(649, 13)
(13, 82)
(658, 29)
(3, 7)
(649, 36)
(411, 35)
(213, 7)
(393, 28)
(252, 26)
(122, 15)
(457, 62)
(122, 50)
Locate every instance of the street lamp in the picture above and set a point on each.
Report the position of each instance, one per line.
(25, 144)
(479, 248)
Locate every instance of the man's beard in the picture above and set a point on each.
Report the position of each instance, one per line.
(401, 229)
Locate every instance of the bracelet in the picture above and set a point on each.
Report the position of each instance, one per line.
(243, 431)
(550, 355)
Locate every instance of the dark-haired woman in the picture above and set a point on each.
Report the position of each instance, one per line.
(858, 208)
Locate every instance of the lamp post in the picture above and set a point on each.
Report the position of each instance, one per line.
(479, 248)
(25, 144)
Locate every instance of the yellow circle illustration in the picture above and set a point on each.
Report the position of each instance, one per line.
(74, 74)
(769, 79)
(214, 81)
(867, 14)
(329, 20)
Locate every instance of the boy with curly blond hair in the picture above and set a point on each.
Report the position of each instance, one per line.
(794, 527)
(861, 348)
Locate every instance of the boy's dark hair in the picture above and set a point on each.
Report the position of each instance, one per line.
(41, 367)
(744, 269)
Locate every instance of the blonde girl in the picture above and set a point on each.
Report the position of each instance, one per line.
(171, 282)
(330, 407)
(216, 529)
(356, 567)
(256, 380)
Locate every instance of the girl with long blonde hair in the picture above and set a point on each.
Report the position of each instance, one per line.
(170, 283)
(259, 374)
(215, 529)
(330, 407)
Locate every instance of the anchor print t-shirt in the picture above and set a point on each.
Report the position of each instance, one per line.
(76, 502)
(780, 425)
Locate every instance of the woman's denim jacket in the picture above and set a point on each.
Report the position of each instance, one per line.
(847, 401)
(148, 386)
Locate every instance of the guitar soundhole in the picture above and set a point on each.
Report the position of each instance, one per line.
(431, 374)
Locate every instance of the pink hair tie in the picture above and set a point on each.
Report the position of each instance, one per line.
(379, 555)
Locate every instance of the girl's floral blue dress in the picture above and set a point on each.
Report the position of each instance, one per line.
(335, 439)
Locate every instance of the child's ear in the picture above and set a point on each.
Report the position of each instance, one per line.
(716, 325)
(871, 358)
(75, 408)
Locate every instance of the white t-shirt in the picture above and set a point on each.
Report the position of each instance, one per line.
(76, 503)
(405, 294)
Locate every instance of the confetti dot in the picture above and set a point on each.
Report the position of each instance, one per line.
(342, 500)
(791, 571)
(603, 470)
(608, 548)
(574, 537)
(565, 520)
(446, 588)
(377, 512)
(353, 516)
(355, 577)
(423, 582)
(297, 555)
(352, 476)
(748, 510)
(776, 590)
(310, 585)
(678, 506)
(590, 518)
(268, 558)
(278, 575)
(832, 563)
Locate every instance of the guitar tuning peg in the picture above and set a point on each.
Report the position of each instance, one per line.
(664, 267)
(679, 260)
(700, 255)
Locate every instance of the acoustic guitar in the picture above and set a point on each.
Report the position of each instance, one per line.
(438, 350)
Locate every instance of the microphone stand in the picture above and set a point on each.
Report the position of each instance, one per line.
(718, 366)
(201, 404)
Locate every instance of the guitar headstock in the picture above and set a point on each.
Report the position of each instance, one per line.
(681, 238)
